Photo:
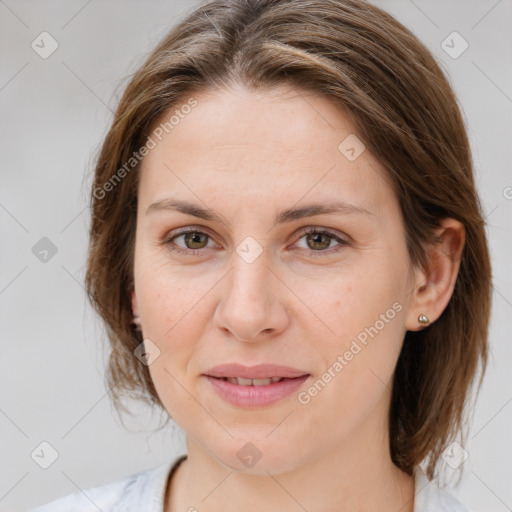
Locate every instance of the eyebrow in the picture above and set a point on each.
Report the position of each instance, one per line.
(282, 217)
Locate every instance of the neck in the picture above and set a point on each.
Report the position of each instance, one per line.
(356, 475)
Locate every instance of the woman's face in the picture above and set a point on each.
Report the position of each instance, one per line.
(251, 287)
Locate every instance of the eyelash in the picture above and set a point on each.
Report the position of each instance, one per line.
(196, 252)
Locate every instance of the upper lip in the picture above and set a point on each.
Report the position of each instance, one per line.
(260, 371)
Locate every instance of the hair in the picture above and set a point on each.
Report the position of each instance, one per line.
(407, 115)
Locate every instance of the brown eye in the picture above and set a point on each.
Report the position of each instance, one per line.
(195, 240)
(318, 240)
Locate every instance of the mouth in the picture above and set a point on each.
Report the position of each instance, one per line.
(241, 381)
(256, 386)
(254, 373)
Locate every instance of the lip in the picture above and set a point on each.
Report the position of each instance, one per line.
(260, 371)
(255, 396)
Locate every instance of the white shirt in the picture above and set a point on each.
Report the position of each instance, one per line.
(145, 491)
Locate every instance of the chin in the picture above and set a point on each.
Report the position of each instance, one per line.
(258, 457)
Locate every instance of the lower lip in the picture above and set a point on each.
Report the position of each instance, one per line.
(255, 396)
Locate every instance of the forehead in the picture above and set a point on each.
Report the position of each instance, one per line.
(279, 144)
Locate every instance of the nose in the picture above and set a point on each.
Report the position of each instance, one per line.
(252, 307)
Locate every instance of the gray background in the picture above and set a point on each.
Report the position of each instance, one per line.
(55, 112)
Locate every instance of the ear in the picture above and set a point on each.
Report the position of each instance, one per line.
(135, 305)
(434, 286)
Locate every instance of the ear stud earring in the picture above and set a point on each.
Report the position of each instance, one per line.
(422, 319)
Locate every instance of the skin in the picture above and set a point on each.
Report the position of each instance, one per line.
(301, 303)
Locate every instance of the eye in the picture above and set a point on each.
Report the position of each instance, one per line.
(319, 240)
(193, 240)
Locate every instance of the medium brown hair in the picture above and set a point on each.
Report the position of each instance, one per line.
(365, 61)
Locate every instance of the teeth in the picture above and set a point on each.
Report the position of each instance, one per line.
(244, 382)
(261, 382)
(241, 381)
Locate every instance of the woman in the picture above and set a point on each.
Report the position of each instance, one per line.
(289, 253)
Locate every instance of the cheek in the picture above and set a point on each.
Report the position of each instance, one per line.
(168, 305)
(173, 310)
(168, 295)
(172, 307)
(356, 376)
(349, 299)
(364, 312)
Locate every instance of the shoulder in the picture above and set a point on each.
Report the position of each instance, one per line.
(430, 498)
(103, 498)
(139, 491)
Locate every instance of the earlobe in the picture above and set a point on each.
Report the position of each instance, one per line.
(434, 286)
(135, 310)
